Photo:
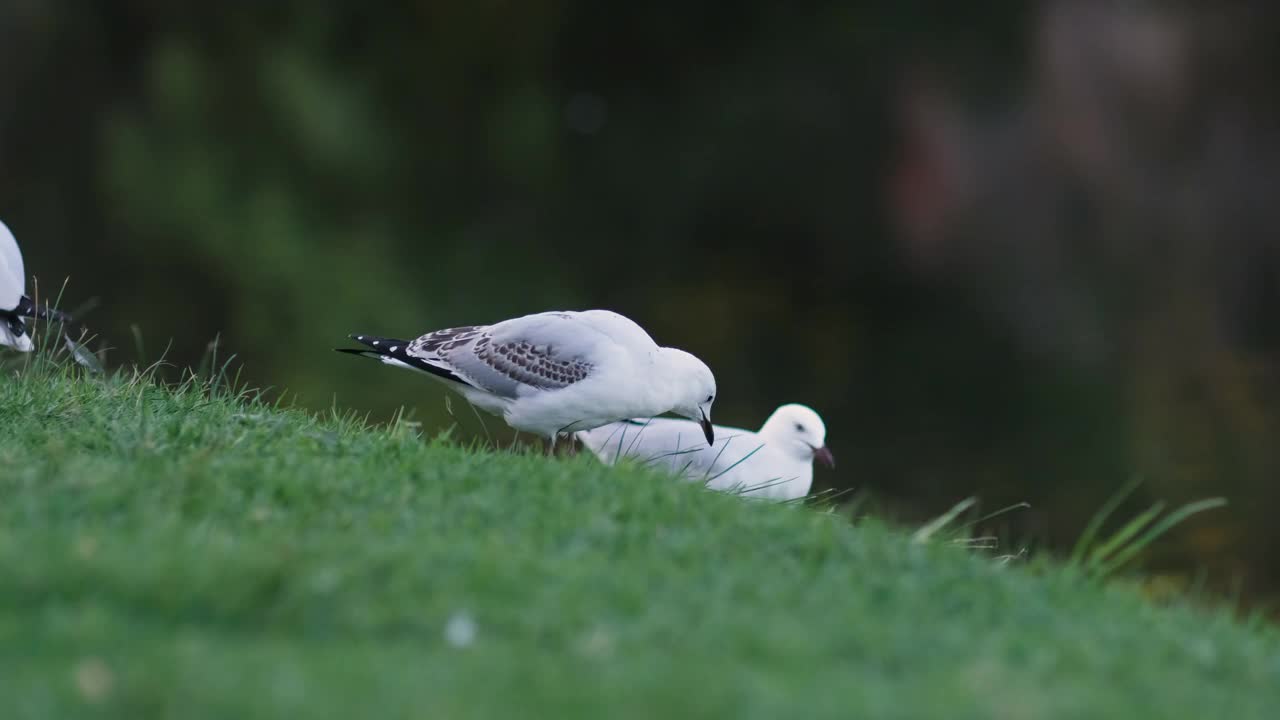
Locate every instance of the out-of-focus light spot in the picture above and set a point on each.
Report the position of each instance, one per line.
(94, 679)
(460, 630)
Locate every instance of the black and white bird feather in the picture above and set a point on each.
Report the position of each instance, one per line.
(15, 307)
(557, 372)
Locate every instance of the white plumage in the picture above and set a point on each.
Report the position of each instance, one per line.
(16, 308)
(558, 372)
(13, 289)
(775, 463)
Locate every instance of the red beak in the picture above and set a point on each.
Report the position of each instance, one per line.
(824, 454)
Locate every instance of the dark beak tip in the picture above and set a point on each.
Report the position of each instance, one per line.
(709, 430)
(824, 454)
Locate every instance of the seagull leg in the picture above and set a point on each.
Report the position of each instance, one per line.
(572, 447)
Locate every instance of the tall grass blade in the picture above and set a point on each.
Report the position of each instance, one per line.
(923, 534)
(1095, 523)
(1168, 523)
(1123, 535)
(740, 460)
(992, 515)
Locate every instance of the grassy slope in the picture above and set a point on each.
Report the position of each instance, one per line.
(168, 554)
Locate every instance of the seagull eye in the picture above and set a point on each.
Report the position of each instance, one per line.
(799, 427)
(710, 398)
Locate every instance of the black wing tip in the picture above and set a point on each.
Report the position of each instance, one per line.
(65, 318)
(57, 316)
(28, 309)
(377, 346)
(381, 347)
(378, 342)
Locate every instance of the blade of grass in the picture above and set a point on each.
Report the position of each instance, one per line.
(1165, 525)
(923, 534)
(1095, 523)
(1123, 535)
(992, 515)
(740, 460)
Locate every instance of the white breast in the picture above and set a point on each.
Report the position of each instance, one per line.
(13, 284)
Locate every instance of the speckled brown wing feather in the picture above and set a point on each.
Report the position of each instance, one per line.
(499, 367)
(534, 365)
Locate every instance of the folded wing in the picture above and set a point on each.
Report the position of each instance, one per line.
(545, 352)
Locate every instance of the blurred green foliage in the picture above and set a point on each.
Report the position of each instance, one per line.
(278, 175)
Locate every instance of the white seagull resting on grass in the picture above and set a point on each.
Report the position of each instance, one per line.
(774, 464)
(558, 372)
(15, 306)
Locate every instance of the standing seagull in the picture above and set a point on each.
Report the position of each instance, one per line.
(775, 463)
(14, 303)
(558, 372)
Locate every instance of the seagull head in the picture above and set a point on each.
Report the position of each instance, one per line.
(797, 430)
(695, 389)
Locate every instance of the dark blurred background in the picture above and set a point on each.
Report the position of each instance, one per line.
(1018, 250)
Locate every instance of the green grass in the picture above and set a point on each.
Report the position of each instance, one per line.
(174, 554)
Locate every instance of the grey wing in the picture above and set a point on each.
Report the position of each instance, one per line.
(504, 367)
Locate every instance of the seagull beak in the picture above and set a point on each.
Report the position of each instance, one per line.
(708, 429)
(824, 454)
